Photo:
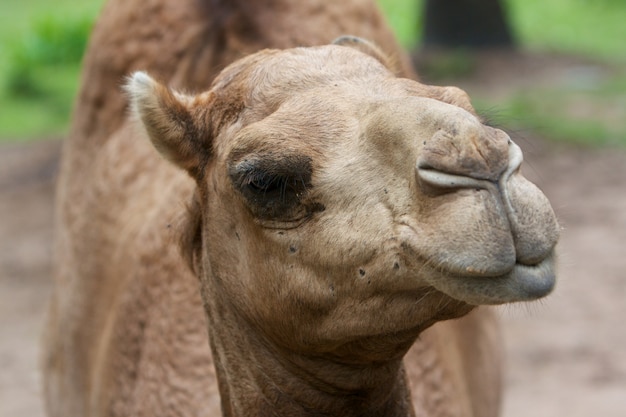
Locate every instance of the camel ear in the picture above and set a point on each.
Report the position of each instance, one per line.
(171, 121)
(368, 48)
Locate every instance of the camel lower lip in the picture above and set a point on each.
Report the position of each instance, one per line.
(523, 283)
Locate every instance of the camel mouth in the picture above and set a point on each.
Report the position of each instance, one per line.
(522, 283)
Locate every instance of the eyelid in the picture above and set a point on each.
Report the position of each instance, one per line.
(292, 167)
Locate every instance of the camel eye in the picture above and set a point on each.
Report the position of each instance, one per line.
(274, 188)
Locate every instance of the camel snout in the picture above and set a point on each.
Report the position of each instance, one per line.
(514, 236)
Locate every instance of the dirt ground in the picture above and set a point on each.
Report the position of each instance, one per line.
(566, 353)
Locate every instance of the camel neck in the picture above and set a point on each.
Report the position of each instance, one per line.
(257, 378)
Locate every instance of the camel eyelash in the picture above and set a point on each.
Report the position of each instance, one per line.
(265, 182)
(265, 174)
(274, 188)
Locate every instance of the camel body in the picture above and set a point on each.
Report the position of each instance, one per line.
(128, 334)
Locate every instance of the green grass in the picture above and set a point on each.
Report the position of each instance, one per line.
(404, 16)
(43, 108)
(17, 18)
(41, 46)
(595, 28)
(41, 43)
(584, 117)
(592, 112)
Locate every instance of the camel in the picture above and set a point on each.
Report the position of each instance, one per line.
(284, 225)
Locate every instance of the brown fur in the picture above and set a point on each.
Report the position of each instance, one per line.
(317, 300)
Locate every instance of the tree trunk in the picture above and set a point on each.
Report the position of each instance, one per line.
(466, 23)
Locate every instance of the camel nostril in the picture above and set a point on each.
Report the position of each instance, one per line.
(435, 181)
(466, 149)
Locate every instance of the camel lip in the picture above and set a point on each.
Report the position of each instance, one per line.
(522, 283)
(538, 280)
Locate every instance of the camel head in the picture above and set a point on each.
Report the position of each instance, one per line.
(337, 203)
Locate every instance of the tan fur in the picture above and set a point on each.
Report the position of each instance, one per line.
(395, 209)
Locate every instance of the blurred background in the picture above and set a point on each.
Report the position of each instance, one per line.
(550, 72)
(576, 49)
